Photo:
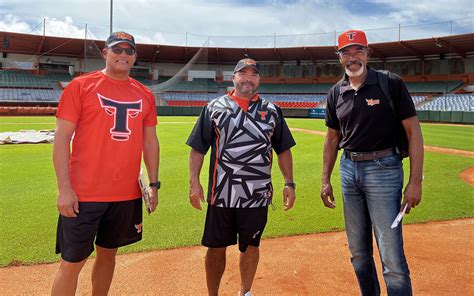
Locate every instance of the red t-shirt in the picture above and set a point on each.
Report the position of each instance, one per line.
(107, 145)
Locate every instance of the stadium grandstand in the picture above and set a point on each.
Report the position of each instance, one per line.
(438, 71)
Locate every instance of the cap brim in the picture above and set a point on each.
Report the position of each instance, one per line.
(247, 66)
(352, 44)
(122, 41)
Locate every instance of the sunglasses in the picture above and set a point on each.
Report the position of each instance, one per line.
(118, 50)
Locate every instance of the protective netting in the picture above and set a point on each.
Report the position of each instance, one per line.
(192, 84)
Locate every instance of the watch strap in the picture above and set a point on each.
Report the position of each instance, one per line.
(290, 184)
(156, 184)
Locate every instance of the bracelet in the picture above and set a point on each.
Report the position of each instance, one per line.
(291, 184)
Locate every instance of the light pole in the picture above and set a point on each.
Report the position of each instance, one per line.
(111, 15)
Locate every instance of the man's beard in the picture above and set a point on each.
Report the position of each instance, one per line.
(246, 91)
(356, 73)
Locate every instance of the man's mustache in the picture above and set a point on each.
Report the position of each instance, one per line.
(352, 63)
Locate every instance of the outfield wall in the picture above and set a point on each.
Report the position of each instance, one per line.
(424, 115)
(190, 111)
(461, 117)
(446, 116)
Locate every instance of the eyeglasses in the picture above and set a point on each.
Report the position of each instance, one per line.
(118, 50)
(346, 54)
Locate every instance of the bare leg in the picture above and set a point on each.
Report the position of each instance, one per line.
(215, 266)
(248, 268)
(65, 282)
(103, 270)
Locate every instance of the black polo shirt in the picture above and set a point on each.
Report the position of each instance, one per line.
(364, 117)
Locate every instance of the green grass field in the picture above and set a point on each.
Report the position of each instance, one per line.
(28, 212)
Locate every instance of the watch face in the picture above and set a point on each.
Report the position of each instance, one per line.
(157, 185)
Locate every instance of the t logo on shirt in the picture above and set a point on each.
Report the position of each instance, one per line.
(121, 112)
(263, 114)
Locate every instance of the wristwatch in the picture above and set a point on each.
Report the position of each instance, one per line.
(156, 184)
(291, 184)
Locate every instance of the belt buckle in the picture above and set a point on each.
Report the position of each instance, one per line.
(354, 155)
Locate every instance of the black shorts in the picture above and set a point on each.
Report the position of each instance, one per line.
(224, 225)
(111, 224)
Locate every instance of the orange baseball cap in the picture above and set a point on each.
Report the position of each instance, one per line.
(351, 37)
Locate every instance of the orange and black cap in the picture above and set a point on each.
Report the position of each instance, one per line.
(247, 63)
(120, 37)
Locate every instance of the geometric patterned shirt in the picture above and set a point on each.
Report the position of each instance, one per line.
(241, 150)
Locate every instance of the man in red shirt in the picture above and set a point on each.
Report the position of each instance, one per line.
(113, 120)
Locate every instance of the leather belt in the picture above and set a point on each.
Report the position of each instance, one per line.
(363, 156)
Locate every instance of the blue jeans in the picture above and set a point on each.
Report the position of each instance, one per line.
(372, 192)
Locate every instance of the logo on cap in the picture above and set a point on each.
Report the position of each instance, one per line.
(119, 37)
(249, 62)
(123, 35)
(351, 35)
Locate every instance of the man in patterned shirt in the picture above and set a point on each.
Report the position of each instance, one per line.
(242, 130)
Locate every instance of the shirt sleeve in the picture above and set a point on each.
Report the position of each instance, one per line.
(202, 134)
(150, 117)
(403, 103)
(282, 139)
(70, 103)
(331, 117)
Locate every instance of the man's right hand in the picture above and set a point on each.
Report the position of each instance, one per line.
(196, 194)
(68, 203)
(327, 195)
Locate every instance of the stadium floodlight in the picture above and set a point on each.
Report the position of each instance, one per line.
(111, 16)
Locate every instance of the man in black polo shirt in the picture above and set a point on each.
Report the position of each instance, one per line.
(361, 121)
(241, 129)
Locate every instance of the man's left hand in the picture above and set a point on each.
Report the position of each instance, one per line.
(288, 197)
(411, 195)
(153, 199)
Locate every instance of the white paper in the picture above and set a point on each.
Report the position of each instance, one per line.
(144, 189)
(399, 217)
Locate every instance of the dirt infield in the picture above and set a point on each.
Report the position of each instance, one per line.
(427, 148)
(450, 151)
(468, 176)
(440, 255)
(307, 131)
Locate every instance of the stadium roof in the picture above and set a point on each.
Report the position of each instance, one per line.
(461, 45)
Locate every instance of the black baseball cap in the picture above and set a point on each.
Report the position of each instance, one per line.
(244, 63)
(120, 37)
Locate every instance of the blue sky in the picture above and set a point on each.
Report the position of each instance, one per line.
(191, 21)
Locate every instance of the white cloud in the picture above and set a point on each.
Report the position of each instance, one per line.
(64, 28)
(11, 23)
(54, 27)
